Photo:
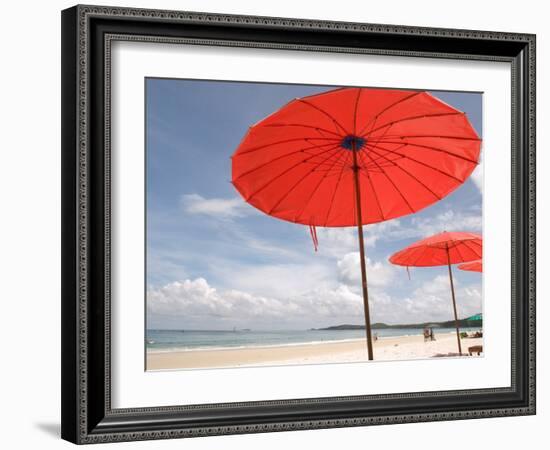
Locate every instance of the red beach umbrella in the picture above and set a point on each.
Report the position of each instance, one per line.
(474, 266)
(442, 249)
(355, 156)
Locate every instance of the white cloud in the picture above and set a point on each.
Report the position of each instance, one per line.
(376, 231)
(221, 208)
(432, 301)
(264, 246)
(335, 303)
(477, 176)
(195, 301)
(446, 221)
(196, 298)
(378, 273)
(342, 240)
(337, 241)
(279, 280)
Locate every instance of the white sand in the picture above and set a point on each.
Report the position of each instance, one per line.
(391, 348)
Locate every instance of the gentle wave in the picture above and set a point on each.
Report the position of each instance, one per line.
(165, 341)
(252, 346)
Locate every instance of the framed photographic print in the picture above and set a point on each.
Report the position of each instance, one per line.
(281, 224)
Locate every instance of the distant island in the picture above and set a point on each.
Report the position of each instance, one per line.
(381, 326)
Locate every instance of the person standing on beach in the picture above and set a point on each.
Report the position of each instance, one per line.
(426, 333)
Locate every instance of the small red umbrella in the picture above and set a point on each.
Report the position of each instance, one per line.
(474, 266)
(442, 249)
(355, 156)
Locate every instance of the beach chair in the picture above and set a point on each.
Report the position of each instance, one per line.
(475, 349)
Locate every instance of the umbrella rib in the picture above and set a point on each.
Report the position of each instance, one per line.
(303, 125)
(405, 119)
(450, 243)
(383, 135)
(438, 149)
(459, 252)
(374, 120)
(286, 141)
(336, 189)
(274, 207)
(473, 249)
(371, 184)
(318, 185)
(288, 170)
(411, 136)
(324, 112)
(393, 184)
(403, 169)
(422, 252)
(464, 242)
(386, 158)
(401, 100)
(416, 161)
(355, 111)
(261, 166)
(326, 162)
(453, 242)
(474, 242)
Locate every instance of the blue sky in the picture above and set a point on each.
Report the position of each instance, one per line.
(214, 262)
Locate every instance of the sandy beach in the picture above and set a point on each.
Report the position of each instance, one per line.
(390, 348)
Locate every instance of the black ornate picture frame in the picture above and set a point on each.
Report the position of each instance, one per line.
(87, 34)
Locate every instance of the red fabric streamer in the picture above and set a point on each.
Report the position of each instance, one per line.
(313, 233)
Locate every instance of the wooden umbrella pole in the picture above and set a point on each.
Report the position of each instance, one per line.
(454, 301)
(362, 252)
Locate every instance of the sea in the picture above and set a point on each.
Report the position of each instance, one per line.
(190, 340)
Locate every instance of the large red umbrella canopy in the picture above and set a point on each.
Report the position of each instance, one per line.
(354, 156)
(440, 250)
(443, 249)
(410, 148)
(474, 266)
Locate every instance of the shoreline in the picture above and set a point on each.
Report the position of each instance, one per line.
(350, 350)
(253, 347)
(270, 346)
